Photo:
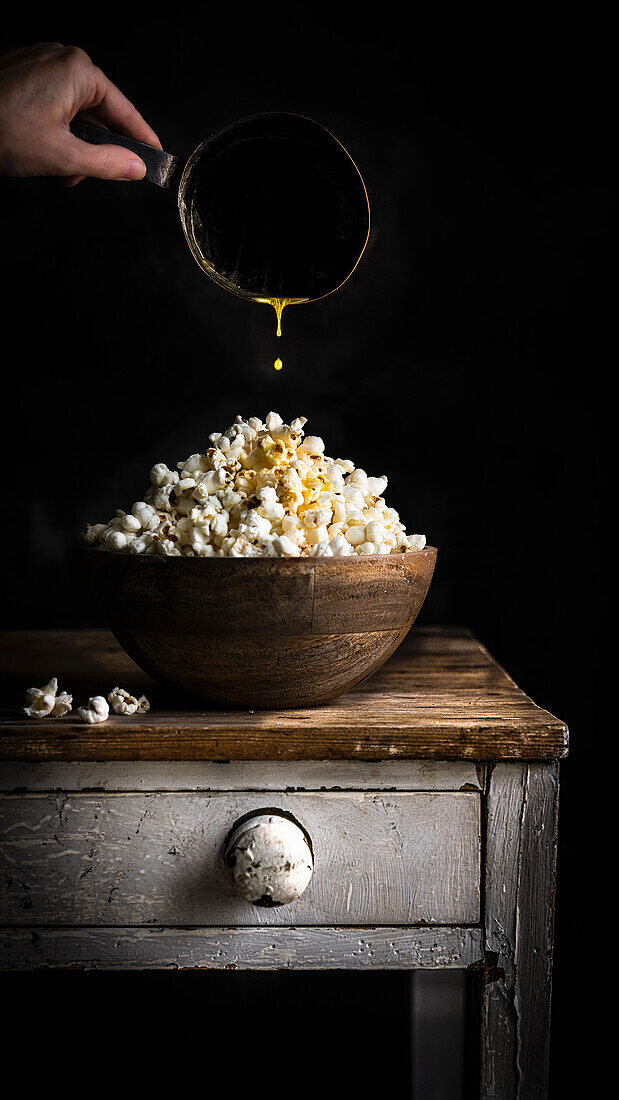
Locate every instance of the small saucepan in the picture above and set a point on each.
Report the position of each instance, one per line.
(273, 207)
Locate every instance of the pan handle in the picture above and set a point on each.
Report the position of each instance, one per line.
(161, 168)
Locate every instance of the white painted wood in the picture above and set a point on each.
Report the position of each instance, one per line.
(241, 775)
(118, 859)
(240, 948)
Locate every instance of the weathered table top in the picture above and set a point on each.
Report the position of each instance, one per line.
(441, 696)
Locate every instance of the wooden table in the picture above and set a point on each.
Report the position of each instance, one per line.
(429, 796)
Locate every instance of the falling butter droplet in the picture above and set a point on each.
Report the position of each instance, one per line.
(278, 364)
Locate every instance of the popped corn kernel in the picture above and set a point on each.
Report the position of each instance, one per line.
(131, 525)
(122, 702)
(96, 710)
(160, 475)
(261, 489)
(376, 486)
(311, 445)
(46, 703)
(316, 517)
(141, 544)
(161, 497)
(146, 514)
(375, 532)
(339, 511)
(285, 548)
(334, 530)
(415, 542)
(93, 532)
(340, 548)
(168, 549)
(355, 535)
(321, 550)
(273, 421)
(116, 540)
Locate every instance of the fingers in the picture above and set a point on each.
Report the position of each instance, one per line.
(44, 87)
(115, 110)
(104, 162)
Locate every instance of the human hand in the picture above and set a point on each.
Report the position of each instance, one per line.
(42, 89)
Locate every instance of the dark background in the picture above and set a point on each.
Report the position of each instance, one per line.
(464, 359)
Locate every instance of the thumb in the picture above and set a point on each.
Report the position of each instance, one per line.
(105, 162)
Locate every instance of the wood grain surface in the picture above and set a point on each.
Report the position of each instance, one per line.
(260, 632)
(441, 696)
(520, 880)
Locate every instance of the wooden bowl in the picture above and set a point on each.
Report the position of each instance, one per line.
(261, 632)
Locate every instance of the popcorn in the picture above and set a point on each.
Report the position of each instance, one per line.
(115, 540)
(45, 703)
(122, 702)
(168, 549)
(160, 475)
(131, 524)
(415, 542)
(260, 490)
(375, 532)
(161, 498)
(284, 548)
(93, 532)
(340, 548)
(312, 445)
(254, 526)
(97, 710)
(142, 544)
(376, 486)
(321, 550)
(316, 517)
(146, 514)
(355, 535)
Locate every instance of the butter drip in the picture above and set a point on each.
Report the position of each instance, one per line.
(279, 305)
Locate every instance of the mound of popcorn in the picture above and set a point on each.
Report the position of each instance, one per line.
(260, 490)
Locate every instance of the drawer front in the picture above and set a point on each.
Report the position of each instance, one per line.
(157, 859)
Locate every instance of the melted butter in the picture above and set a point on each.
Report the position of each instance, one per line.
(278, 364)
(279, 305)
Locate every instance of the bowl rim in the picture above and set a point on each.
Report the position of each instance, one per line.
(327, 561)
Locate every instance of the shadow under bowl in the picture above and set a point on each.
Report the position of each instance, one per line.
(261, 632)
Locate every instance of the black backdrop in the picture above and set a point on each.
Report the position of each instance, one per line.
(463, 358)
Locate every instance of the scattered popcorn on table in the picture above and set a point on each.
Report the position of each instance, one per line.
(45, 703)
(261, 490)
(97, 710)
(122, 702)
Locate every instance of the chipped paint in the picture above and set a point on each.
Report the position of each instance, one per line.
(270, 860)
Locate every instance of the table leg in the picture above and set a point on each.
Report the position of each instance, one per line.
(519, 886)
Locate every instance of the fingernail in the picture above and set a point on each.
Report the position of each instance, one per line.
(135, 170)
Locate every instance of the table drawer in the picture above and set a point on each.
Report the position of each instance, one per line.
(157, 859)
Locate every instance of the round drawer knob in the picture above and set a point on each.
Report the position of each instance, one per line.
(270, 859)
